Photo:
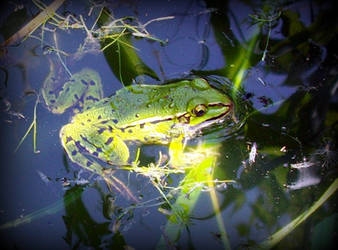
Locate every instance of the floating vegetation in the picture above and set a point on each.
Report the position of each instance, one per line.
(268, 15)
(114, 28)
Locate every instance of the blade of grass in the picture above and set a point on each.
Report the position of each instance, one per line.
(48, 210)
(59, 56)
(109, 44)
(32, 126)
(218, 215)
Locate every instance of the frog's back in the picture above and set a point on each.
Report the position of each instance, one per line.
(149, 102)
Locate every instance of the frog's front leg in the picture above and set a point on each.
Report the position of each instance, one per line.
(176, 152)
(80, 91)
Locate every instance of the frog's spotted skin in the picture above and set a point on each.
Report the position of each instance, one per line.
(148, 114)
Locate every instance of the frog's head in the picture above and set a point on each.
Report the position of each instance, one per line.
(206, 107)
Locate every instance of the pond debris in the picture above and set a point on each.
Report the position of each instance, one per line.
(117, 28)
(65, 182)
(7, 104)
(116, 226)
(253, 154)
(283, 149)
(265, 101)
(304, 164)
(269, 18)
(44, 177)
(7, 108)
(265, 125)
(229, 39)
(262, 81)
(306, 177)
(17, 115)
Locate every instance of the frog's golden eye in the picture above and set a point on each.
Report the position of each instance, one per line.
(200, 110)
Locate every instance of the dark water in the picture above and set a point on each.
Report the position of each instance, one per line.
(286, 101)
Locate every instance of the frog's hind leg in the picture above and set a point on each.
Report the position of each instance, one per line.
(77, 151)
(82, 153)
(113, 149)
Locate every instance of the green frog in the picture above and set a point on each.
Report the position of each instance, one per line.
(102, 128)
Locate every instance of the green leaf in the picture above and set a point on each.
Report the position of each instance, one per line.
(124, 61)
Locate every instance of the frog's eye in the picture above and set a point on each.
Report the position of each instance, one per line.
(200, 110)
